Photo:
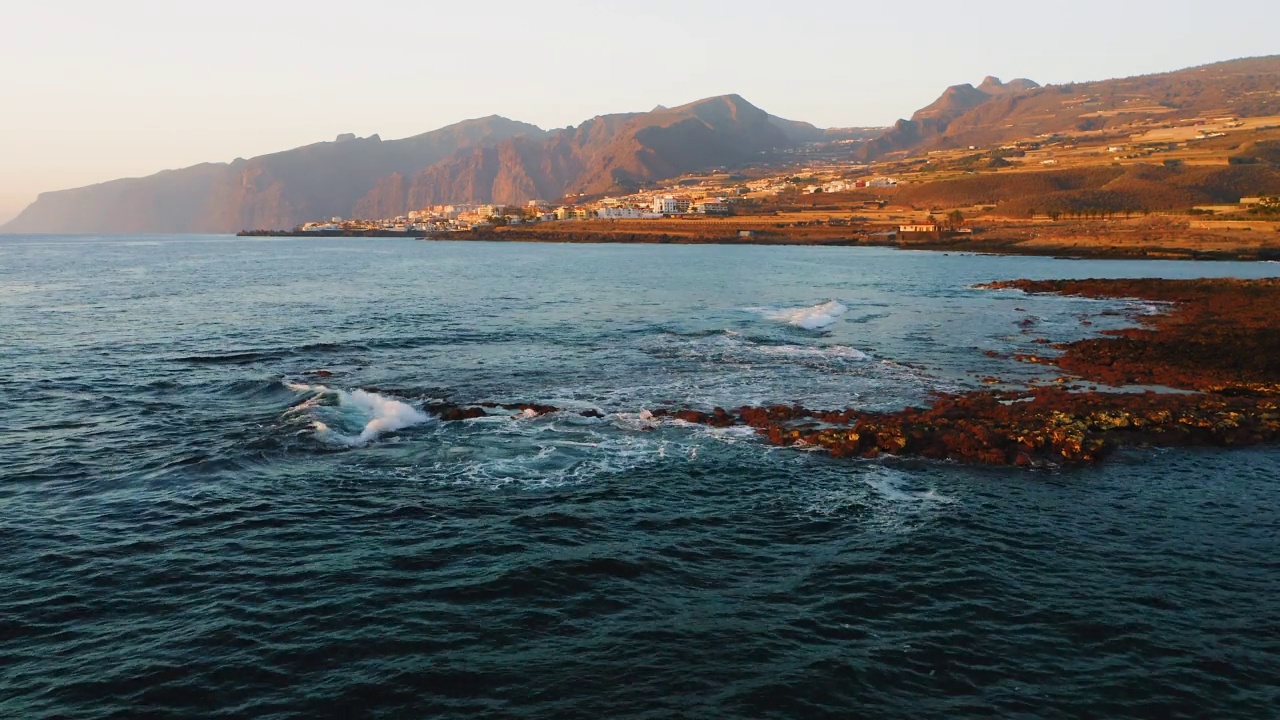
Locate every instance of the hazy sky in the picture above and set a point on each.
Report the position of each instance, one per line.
(95, 90)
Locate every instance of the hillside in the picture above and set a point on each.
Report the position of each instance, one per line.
(1132, 189)
(994, 113)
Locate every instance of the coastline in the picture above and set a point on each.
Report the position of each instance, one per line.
(1104, 241)
(333, 233)
(1158, 240)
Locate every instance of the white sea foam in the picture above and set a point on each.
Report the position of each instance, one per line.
(830, 352)
(1153, 308)
(894, 486)
(357, 417)
(888, 500)
(810, 318)
(543, 456)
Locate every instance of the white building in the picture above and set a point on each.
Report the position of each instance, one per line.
(665, 204)
(711, 206)
(626, 213)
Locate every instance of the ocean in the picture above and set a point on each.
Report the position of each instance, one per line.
(220, 495)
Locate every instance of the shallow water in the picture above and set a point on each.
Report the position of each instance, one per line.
(195, 524)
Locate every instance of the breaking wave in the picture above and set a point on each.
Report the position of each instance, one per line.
(810, 318)
(354, 418)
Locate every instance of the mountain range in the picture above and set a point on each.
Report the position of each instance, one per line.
(495, 159)
(490, 159)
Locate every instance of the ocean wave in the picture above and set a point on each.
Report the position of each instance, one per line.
(808, 352)
(733, 347)
(888, 499)
(254, 355)
(511, 451)
(354, 418)
(814, 317)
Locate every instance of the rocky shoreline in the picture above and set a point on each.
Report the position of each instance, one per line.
(1217, 341)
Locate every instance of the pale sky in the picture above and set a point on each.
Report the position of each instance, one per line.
(92, 90)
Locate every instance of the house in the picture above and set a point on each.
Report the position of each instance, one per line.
(923, 229)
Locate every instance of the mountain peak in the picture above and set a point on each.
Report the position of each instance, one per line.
(730, 100)
(993, 86)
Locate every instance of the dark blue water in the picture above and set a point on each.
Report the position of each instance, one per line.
(193, 523)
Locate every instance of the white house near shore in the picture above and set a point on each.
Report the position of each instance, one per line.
(626, 213)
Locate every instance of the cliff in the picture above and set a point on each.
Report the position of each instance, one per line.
(279, 190)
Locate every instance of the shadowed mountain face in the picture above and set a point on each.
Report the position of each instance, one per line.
(998, 112)
(487, 160)
(271, 191)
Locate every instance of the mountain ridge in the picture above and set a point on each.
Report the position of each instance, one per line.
(997, 112)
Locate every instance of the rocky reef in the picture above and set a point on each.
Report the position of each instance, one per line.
(1215, 336)
(1033, 428)
(1213, 346)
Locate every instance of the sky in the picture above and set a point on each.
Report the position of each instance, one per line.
(92, 91)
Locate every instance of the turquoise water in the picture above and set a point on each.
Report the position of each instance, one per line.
(195, 522)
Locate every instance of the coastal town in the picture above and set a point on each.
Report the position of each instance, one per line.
(715, 195)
